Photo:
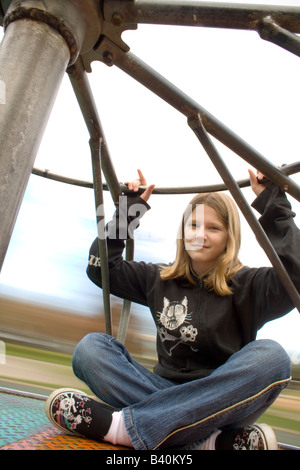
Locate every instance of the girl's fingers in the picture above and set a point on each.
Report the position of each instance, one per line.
(141, 181)
(142, 178)
(147, 193)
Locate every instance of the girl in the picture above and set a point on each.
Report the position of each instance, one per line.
(213, 378)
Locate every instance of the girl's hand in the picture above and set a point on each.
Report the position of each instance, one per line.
(141, 181)
(256, 186)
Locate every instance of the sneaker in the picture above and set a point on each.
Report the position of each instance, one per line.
(74, 412)
(254, 437)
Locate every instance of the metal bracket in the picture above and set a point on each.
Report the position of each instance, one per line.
(270, 31)
(113, 26)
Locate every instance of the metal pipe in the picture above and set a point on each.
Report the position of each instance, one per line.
(271, 32)
(152, 80)
(198, 128)
(82, 89)
(289, 169)
(33, 59)
(41, 39)
(95, 145)
(195, 13)
(85, 99)
(101, 161)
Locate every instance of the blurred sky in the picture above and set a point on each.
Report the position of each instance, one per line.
(252, 86)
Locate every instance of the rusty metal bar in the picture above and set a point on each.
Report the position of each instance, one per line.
(95, 145)
(287, 170)
(197, 126)
(83, 92)
(64, 179)
(196, 13)
(85, 99)
(272, 32)
(152, 80)
(101, 161)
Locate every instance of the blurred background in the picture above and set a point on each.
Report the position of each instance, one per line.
(47, 302)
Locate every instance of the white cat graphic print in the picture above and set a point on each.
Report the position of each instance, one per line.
(173, 316)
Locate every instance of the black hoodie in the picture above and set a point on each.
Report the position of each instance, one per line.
(198, 330)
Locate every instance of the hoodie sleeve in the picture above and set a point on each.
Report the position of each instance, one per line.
(127, 279)
(268, 295)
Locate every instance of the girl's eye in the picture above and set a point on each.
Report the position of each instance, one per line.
(192, 226)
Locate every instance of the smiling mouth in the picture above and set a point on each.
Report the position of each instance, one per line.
(198, 247)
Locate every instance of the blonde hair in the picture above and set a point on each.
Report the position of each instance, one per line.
(228, 263)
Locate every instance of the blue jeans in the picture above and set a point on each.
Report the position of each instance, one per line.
(159, 413)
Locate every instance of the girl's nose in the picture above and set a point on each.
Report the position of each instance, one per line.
(201, 234)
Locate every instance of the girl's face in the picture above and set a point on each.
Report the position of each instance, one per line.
(205, 238)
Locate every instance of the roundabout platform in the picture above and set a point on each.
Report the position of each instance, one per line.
(24, 426)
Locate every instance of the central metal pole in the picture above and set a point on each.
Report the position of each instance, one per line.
(41, 39)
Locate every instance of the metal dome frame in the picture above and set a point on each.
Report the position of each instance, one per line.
(73, 34)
